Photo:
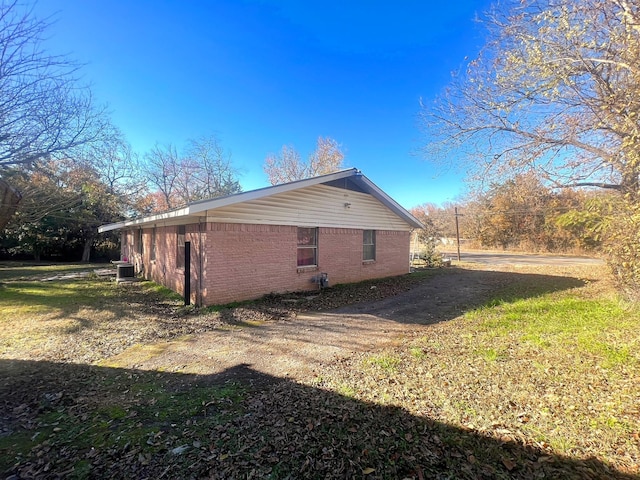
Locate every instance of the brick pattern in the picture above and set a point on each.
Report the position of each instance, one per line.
(232, 262)
(248, 261)
(163, 269)
(340, 255)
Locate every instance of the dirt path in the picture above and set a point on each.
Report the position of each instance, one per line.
(298, 348)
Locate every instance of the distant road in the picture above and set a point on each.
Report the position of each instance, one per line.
(499, 258)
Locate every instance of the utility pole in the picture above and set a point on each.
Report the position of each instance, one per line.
(458, 231)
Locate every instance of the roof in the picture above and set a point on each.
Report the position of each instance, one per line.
(353, 177)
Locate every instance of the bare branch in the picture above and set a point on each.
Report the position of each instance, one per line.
(556, 90)
(287, 166)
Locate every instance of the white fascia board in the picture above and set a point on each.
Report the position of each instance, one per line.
(181, 212)
(110, 226)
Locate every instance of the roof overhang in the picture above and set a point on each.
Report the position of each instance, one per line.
(353, 175)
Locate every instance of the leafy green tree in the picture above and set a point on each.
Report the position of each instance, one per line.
(39, 227)
(64, 203)
(586, 224)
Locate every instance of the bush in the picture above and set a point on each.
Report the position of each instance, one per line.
(621, 242)
(429, 255)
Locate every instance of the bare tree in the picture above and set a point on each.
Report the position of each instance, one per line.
(44, 111)
(203, 171)
(326, 158)
(288, 166)
(162, 169)
(439, 219)
(116, 163)
(213, 173)
(556, 90)
(284, 167)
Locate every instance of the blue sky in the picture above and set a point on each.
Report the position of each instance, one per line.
(261, 74)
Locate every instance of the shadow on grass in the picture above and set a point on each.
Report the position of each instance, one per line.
(21, 271)
(63, 299)
(64, 420)
(423, 300)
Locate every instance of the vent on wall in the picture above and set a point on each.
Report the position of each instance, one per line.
(323, 280)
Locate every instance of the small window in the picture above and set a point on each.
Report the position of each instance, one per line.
(368, 245)
(307, 246)
(180, 246)
(153, 243)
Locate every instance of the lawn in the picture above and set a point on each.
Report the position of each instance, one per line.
(538, 382)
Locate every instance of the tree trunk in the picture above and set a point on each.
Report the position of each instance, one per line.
(86, 252)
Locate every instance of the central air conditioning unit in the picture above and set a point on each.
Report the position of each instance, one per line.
(125, 272)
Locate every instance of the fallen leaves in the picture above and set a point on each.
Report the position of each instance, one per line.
(443, 410)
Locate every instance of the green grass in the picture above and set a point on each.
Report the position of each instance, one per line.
(23, 292)
(417, 352)
(596, 326)
(12, 271)
(71, 315)
(164, 291)
(492, 354)
(385, 362)
(33, 297)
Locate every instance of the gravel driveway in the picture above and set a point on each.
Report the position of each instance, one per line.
(299, 347)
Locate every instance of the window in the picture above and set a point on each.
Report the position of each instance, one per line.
(153, 244)
(368, 245)
(307, 246)
(180, 247)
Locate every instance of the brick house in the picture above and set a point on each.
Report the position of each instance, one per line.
(337, 228)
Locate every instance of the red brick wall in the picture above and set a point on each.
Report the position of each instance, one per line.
(248, 261)
(240, 262)
(163, 269)
(340, 255)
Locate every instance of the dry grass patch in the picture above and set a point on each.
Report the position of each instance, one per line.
(84, 320)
